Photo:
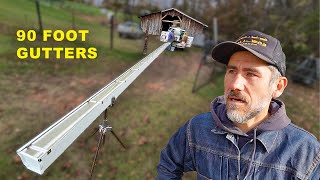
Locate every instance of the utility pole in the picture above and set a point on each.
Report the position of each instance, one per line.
(215, 30)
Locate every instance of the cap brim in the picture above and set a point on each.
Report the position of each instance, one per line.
(223, 51)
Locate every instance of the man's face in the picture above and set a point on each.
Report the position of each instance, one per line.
(247, 88)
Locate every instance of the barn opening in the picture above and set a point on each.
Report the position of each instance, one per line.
(168, 20)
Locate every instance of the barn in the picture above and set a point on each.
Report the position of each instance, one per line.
(156, 22)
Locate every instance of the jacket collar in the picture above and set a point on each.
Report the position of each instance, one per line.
(267, 138)
(267, 131)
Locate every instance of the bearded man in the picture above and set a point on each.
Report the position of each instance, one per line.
(247, 134)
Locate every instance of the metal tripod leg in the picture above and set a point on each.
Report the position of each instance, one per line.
(103, 128)
(118, 139)
(111, 130)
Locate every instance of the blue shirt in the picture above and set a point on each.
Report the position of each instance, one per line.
(170, 36)
(207, 146)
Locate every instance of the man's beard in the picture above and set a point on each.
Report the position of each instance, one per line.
(244, 114)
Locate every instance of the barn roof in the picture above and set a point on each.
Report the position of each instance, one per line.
(152, 23)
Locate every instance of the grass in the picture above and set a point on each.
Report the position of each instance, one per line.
(35, 93)
(165, 112)
(43, 90)
(54, 17)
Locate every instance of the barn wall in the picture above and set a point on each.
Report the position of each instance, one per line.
(192, 26)
(151, 24)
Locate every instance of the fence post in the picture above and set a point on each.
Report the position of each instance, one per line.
(39, 16)
(145, 47)
(111, 32)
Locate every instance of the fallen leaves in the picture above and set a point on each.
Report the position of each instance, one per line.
(16, 159)
(142, 140)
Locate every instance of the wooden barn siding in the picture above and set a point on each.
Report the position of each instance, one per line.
(172, 13)
(151, 24)
(192, 26)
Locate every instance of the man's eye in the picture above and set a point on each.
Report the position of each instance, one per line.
(249, 74)
(231, 71)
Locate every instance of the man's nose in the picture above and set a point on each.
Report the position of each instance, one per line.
(237, 83)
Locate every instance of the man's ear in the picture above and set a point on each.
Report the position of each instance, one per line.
(280, 85)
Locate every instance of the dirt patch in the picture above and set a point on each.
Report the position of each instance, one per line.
(62, 94)
(302, 104)
(157, 86)
(168, 70)
(54, 101)
(74, 92)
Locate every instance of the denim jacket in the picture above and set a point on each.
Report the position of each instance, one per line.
(208, 146)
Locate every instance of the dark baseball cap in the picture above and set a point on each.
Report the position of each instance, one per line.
(261, 45)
